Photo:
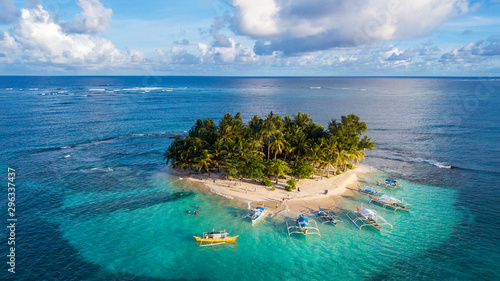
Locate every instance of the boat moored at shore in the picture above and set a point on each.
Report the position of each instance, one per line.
(387, 201)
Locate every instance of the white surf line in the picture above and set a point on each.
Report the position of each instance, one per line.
(218, 193)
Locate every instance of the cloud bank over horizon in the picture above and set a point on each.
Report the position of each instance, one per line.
(296, 37)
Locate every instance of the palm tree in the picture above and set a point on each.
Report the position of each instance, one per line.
(267, 132)
(302, 119)
(315, 154)
(330, 152)
(204, 160)
(278, 143)
(218, 153)
(356, 156)
(299, 144)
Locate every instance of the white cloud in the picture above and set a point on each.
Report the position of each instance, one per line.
(257, 18)
(178, 55)
(299, 26)
(43, 41)
(234, 53)
(474, 53)
(8, 48)
(93, 19)
(220, 40)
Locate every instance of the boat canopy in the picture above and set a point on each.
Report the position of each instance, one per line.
(389, 199)
(367, 213)
(260, 208)
(302, 219)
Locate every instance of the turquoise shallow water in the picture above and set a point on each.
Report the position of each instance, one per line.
(95, 201)
(160, 237)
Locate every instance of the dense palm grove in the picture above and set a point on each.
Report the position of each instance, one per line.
(272, 146)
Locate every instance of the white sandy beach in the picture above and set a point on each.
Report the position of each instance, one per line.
(313, 192)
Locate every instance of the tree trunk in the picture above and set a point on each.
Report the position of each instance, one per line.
(268, 147)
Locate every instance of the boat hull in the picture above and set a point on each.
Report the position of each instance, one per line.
(389, 185)
(387, 205)
(215, 240)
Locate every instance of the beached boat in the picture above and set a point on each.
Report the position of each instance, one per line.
(390, 183)
(368, 190)
(327, 216)
(367, 217)
(302, 226)
(258, 213)
(215, 238)
(387, 201)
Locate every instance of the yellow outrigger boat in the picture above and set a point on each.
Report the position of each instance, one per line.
(215, 238)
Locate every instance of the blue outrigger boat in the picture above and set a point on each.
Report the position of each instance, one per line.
(302, 226)
(369, 190)
(390, 183)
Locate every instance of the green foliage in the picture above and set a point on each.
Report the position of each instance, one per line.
(233, 172)
(254, 166)
(302, 169)
(266, 182)
(291, 184)
(277, 167)
(286, 141)
(273, 189)
(251, 166)
(338, 172)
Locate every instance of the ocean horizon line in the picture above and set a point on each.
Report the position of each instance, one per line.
(258, 76)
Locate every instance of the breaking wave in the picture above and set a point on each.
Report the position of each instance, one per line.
(400, 156)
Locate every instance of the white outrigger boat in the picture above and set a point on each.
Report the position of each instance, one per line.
(327, 216)
(367, 217)
(215, 238)
(258, 213)
(387, 201)
(302, 226)
(390, 183)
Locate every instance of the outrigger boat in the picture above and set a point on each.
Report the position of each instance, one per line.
(367, 217)
(215, 238)
(302, 226)
(327, 216)
(387, 201)
(367, 190)
(258, 213)
(390, 183)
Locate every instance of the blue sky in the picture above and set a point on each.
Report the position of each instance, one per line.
(257, 37)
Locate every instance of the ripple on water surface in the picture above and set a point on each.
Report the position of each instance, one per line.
(156, 240)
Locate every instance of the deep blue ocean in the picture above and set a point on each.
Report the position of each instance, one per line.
(94, 200)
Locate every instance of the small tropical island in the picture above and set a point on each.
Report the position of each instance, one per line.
(271, 160)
